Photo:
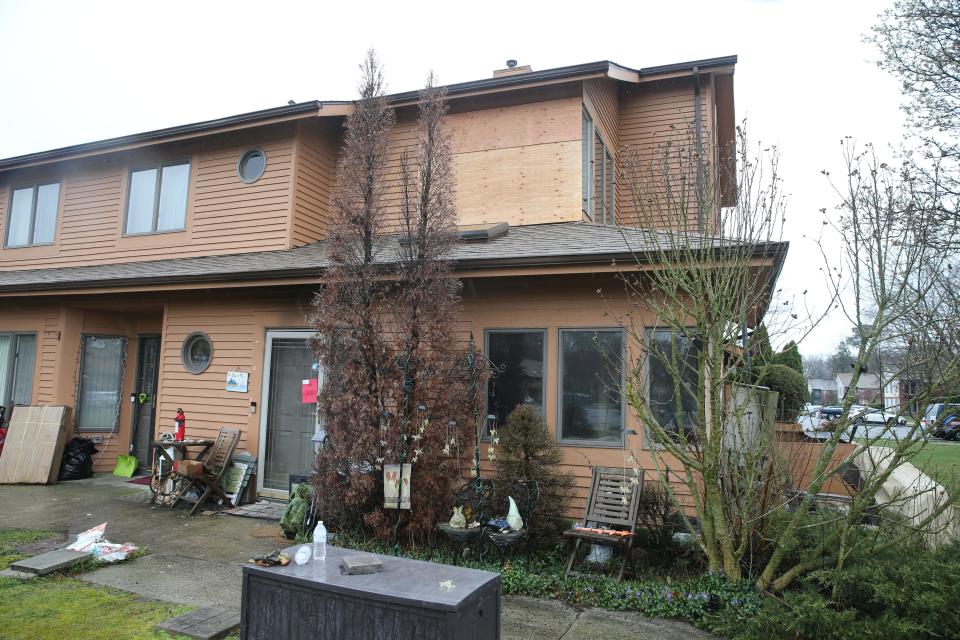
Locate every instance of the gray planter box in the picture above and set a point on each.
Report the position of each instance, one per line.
(404, 602)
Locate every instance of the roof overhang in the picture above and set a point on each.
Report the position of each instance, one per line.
(300, 110)
(340, 108)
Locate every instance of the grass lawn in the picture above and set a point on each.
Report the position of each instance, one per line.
(941, 461)
(55, 608)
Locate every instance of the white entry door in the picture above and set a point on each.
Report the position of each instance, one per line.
(287, 422)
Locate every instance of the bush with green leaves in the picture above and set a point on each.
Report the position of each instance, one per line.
(789, 384)
(294, 515)
(528, 451)
(904, 593)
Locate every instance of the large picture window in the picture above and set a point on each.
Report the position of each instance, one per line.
(672, 400)
(591, 385)
(33, 215)
(101, 378)
(518, 355)
(18, 355)
(157, 199)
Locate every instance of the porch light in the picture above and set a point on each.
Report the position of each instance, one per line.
(319, 439)
(491, 422)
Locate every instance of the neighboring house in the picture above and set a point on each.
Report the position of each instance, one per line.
(822, 391)
(868, 389)
(160, 263)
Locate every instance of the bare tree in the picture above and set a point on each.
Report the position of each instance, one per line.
(385, 320)
(708, 433)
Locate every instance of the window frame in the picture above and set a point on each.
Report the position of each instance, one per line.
(158, 182)
(123, 372)
(243, 157)
(586, 147)
(649, 441)
(623, 381)
(14, 365)
(35, 188)
(486, 350)
(188, 342)
(595, 170)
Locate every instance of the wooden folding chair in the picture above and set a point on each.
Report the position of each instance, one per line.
(612, 505)
(215, 466)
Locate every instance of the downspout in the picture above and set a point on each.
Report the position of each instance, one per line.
(698, 126)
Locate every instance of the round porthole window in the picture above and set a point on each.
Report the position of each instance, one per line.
(252, 165)
(197, 352)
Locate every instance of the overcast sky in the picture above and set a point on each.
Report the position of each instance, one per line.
(83, 71)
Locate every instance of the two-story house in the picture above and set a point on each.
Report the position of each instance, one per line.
(136, 273)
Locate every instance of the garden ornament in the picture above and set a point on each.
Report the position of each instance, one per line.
(513, 518)
(458, 521)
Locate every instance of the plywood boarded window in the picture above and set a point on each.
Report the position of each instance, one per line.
(101, 378)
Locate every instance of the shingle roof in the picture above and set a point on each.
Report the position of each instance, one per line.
(530, 245)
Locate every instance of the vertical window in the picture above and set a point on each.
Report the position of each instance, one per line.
(157, 199)
(587, 165)
(673, 365)
(599, 174)
(33, 215)
(519, 355)
(591, 381)
(101, 378)
(18, 354)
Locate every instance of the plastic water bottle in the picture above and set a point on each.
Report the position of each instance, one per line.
(320, 542)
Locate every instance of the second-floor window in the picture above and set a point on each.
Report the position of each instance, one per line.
(33, 215)
(599, 175)
(157, 200)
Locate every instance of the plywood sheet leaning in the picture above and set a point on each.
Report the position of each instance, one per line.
(34, 445)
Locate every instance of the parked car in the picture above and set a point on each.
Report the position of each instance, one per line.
(869, 415)
(937, 416)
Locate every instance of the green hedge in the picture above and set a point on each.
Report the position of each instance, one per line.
(790, 384)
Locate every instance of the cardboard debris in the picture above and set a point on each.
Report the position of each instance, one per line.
(34, 445)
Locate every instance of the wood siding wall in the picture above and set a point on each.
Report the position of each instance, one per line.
(224, 214)
(651, 116)
(315, 173)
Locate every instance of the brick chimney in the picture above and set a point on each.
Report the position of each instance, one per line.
(512, 69)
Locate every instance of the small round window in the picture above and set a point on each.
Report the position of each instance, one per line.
(197, 352)
(252, 165)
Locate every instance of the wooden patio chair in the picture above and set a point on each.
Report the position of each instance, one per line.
(611, 506)
(215, 466)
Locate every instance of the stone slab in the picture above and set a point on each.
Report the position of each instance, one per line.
(50, 561)
(205, 623)
(360, 565)
(21, 575)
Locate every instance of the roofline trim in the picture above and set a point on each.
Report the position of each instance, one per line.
(775, 250)
(315, 107)
(302, 109)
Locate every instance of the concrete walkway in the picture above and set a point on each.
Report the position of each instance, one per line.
(197, 560)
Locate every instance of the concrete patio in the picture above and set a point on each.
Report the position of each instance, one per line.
(197, 560)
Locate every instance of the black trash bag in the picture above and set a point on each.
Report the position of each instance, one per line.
(77, 462)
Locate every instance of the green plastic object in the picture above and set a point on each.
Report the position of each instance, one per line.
(126, 465)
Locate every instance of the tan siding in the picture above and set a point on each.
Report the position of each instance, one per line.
(603, 102)
(224, 215)
(313, 183)
(652, 116)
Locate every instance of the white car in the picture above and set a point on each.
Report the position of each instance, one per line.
(860, 414)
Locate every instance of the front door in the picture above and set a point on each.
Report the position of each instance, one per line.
(145, 392)
(288, 423)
